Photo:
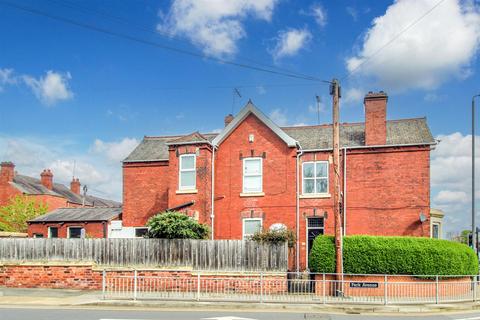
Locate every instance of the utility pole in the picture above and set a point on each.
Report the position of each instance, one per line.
(474, 233)
(335, 91)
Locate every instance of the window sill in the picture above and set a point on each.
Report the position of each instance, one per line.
(256, 194)
(316, 196)
(188, 191)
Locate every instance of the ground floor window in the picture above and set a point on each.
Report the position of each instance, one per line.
(140, 232)
(52, 232)
(76, 232)
(38, 235)
(251, 226)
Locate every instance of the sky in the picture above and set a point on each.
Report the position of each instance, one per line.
(81, 82)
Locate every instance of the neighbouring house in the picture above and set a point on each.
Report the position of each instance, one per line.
(436, 223)
(47, 192)
(257, 175)
(93, 222)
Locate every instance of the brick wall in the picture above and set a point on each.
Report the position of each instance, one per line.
(145, 191)
(92, 229)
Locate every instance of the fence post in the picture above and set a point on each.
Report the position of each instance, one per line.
(261, 286)
(385, 290)
(436, 289)
(135, 284)
(474, 288)
(104, 283)
(324, 289)
(198, 286)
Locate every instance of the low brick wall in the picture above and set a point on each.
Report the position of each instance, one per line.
(397, 286)
(89, 277)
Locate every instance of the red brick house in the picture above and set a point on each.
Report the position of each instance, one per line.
(47, 192)
(264, 176)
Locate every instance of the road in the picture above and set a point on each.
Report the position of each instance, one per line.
(7, 313)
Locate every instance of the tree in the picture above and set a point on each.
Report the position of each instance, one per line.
(14, 216)
(175, 225)
(275, 237)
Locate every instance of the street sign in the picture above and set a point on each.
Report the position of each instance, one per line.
(363, 284)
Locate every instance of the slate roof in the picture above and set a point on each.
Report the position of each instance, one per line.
(195, 137)
(399, 132)
(79, 215)
(33, 186)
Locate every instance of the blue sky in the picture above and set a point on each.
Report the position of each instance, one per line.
(70, 94)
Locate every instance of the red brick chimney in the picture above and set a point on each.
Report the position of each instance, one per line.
(75, 186)
(228, 119)
(375, 118)
(7, 171)
(47, 179)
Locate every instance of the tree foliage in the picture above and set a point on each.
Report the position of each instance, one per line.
(175, 225)
(394, 255)
(275, 237)
(14, 216)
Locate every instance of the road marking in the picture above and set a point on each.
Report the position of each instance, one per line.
(228, 318)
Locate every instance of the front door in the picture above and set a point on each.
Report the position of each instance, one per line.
(315, 228)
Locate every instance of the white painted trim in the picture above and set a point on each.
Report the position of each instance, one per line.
(49, 232)
(250, 219)
(256, 194)
(180, 170)
(78, 227)
(187, 191)
(251, 109)
(245, 193)
(316, 195)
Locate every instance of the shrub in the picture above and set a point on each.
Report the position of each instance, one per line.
(175, 225)
(275, 237)
(394, 255)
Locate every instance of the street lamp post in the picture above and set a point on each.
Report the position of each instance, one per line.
(474, 239)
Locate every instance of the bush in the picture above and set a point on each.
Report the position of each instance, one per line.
(394, 255)
(175, 225)
(275, 237)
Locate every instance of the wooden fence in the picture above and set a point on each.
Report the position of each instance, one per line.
(196, 254)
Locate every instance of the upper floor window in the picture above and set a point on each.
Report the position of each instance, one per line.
(187, 172)
(315, 177)
(252, 175)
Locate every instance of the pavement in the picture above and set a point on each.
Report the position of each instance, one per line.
(60, 298)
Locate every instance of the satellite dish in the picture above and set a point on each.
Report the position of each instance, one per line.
(423, 218)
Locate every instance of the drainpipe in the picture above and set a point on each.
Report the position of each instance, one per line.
(297, 250)
(345, 191)
(212, 214)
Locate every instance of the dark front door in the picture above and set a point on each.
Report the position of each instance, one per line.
(315, 228)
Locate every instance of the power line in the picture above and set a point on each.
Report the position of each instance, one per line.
(393, 39)
(156, 32)
(161, 46)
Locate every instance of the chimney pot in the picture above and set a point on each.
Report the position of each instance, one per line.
(46, 177)
(75, 186)
(375, 118)
(7, 171)
(228, 119)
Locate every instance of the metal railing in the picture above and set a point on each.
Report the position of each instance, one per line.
(288, 287)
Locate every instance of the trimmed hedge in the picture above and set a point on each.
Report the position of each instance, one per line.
(394, 255)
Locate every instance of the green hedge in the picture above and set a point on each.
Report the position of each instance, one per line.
(394, 255)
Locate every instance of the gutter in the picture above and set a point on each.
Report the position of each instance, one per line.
(375, 146)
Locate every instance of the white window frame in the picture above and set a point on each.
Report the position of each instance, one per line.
(314, 178)
(250, 219)
(261, 175)
(180, 170)
(50, 233)
(77, 227)
(438, 224)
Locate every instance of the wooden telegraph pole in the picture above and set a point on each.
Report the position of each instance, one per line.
(335, 91)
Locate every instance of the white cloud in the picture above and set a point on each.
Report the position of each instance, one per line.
(214, 26)
(115, 151)
(290, 42)
(352, 12)
(451, 179)
(353, 95)
(51, 88)
(440, 46)
(96, 166)
(7, 77)
(278, 116)
(320, 14)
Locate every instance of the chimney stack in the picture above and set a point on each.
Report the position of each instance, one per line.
(47, 179)
(75, 186)
(7, 171)
(375, 118)
(228, 119)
